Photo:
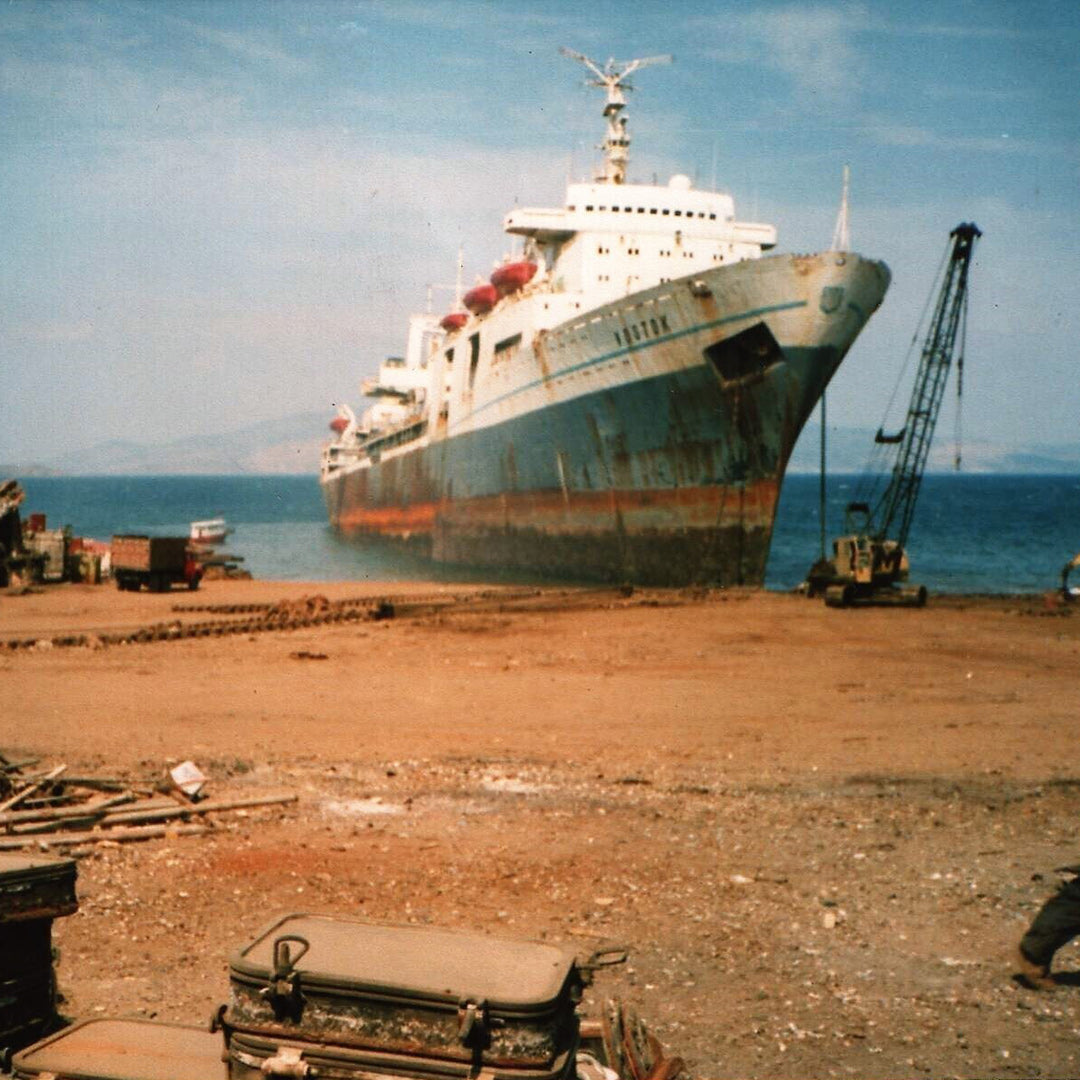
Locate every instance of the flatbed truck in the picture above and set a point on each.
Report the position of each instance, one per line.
(158, 562)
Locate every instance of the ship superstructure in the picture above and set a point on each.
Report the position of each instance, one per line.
(619, 402)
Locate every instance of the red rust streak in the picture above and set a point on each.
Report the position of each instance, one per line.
(580, 511)
(419, 517)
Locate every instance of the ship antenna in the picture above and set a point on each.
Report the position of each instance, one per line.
(612, 77)
(841, 239)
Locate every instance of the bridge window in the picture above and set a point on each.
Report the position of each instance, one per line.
(474, 357)
(508, 347)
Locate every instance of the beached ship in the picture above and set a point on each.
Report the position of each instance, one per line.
(618, 402)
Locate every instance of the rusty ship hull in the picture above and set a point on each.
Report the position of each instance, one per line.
(646, 443)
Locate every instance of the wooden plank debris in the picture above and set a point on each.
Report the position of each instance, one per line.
(87, 810)
(115, 836)
(30, 788)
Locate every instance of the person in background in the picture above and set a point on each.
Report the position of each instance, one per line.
(1057, 923)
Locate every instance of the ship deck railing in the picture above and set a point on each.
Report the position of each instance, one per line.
(408, 432)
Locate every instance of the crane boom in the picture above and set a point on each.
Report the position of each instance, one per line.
(891, 517)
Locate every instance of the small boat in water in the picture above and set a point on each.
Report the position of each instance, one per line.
(211, 531)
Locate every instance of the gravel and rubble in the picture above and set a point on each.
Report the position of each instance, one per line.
(777, 928)
(820, 833)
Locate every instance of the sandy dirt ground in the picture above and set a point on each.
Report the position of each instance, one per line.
(820, 832)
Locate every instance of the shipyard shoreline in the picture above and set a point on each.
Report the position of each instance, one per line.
(816, 829)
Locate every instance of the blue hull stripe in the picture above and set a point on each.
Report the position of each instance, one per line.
(636, 347)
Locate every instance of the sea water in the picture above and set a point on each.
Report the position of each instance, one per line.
(971, 534)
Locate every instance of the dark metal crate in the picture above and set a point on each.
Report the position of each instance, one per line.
(36, 888)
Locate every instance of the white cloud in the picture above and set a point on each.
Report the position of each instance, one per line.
(996, 95)
(464, 15)
(812, 45)
(889, 133)
(970, 30)
(252, 45)
(106, 93)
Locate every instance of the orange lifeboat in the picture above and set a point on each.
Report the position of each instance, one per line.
(481, 299)
(512, 276)
(338, 424)
(454, 321)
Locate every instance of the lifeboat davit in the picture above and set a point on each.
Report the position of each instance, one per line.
(512, 276)
(454, 321)
(481, 299)
(338, 424)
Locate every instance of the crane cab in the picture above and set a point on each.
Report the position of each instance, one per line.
(867, 570)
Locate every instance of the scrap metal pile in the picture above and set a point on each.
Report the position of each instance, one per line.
(17, 564)
(32, 554)
(45, 809)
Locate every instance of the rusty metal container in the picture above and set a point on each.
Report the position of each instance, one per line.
(51, 544)
(36, 888)
(445, 1000)
(252, 1057)
(124, 1050)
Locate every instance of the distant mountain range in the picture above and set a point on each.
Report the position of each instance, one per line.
(288, 445)
(848, 450)
(292, 445)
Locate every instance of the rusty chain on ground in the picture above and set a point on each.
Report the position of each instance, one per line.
(318, 611)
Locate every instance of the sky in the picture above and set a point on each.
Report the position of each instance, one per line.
(221, 212)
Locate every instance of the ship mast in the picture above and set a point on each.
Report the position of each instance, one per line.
(841, 239)
(612, 77)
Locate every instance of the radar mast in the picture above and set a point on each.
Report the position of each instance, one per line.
(612, 77)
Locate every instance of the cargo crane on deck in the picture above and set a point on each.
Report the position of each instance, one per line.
(870, 561)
